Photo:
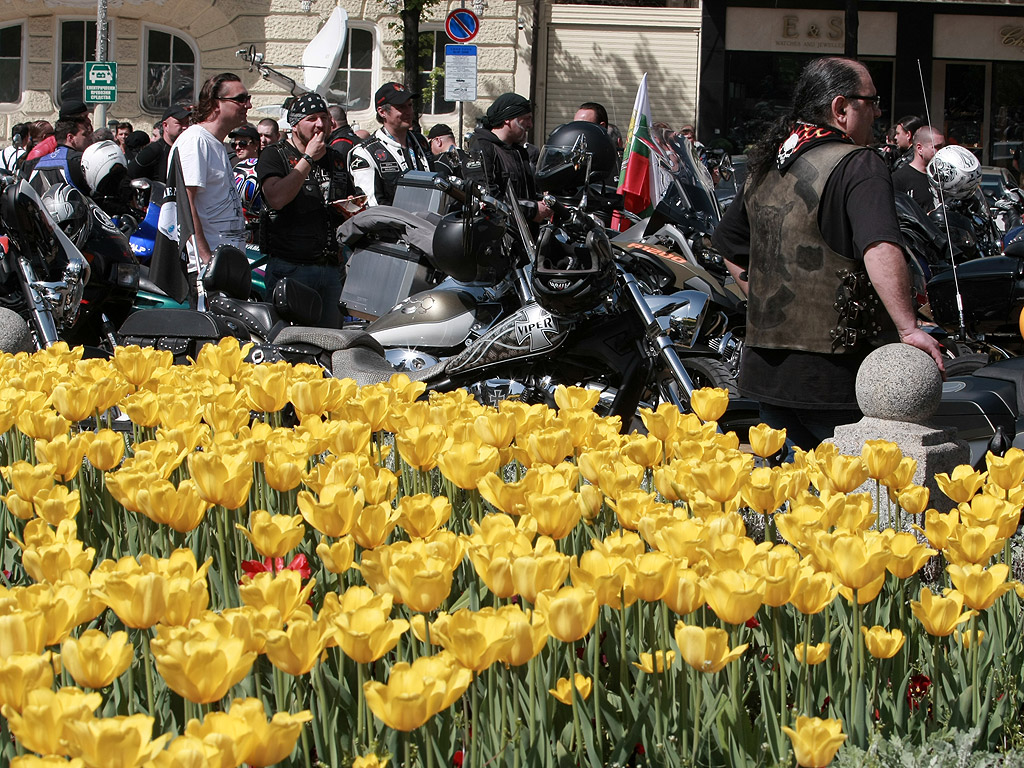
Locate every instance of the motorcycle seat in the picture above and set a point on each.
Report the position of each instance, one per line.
(354, 354)
(259, 318)
(1011, 370)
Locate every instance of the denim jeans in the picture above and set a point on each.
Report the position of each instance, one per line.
(324, 279)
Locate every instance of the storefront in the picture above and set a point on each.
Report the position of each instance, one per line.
(967, 59)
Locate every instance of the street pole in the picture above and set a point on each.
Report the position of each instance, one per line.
(852, 29)
(100, 116)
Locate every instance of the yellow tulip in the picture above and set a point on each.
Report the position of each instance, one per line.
(379, 485)
(914, 499)
(528, 633)
(1006, 471)
(940, 615)
(845, 473)
(95, 660)
(684, 594)
(373, 524)
(297, 648)
(65, 453)
(709, 403)
(416, 692)
(610, 575)
(655, 663)
(938, 527)
(143, 408)
(721, 480)
(961, 484)
(545, 569)
(882, 644)
(140, 364)
(273, 535)
(980, 587)
(106, 449)
(421, 582)
(29, 480)
(563, 688)
(266, 386)
(339, 556)
(633, 506)
(476, 639)
(139, 600)
(495, 429)
(812, 655)
(273, 741)
(557, 513)
(43, 723)
(181, 508)
(465, 464)
(282, 591)
(115, 742)
(21, 673)
(21, 631)
(76, 400)
(734, 596)
(968, 639)
(57, 504)
(221, 478)
(765, 491)
(706, 649)
(366, 633)
(969, 544)
(50, 761)
(881, 457)
(422, 514)
(765, 441)
(908, 555)
(370, 761)
(815, 741)
(493, 564)
(548, 446)
(655, 572)
(335, 512)
(985, 509)
(284, 469)
(779, 569)
(570, 611)
(903, 475)
(644, 450)
(419, 447)
(855, 559)
(199, 663)
(812, 592)
(226, 357)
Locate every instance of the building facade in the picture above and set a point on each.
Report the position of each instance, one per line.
(961, 64)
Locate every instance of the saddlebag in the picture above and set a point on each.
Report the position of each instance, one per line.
(181, 331)
(380, 275)
(993, 292)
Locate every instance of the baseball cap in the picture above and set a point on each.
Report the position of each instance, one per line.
(440, 130)
(245, 132)
(72, 108)
(392, 93)
(177, 111)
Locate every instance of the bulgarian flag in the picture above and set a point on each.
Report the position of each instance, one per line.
(639, 183)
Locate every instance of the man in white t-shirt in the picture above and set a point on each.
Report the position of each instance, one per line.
(208, 176)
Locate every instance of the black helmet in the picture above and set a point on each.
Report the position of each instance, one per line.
(572, 275)
(471, 248)
(68, 207)
(562, 164)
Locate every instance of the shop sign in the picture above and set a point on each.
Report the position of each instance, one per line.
(992, 38)
(807, 31)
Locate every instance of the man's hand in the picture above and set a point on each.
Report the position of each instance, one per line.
(317, 146)
(926, 342)
(543, 211)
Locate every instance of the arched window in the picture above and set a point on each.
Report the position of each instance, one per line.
(352, 86)
(11, 62)
(170, 71)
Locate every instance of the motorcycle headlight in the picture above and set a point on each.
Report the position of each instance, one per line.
(125, 275)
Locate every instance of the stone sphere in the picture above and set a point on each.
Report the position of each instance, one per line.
(14, 334)
(899, 382)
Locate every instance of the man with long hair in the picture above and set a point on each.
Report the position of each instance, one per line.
(208, 176)
(813, 240)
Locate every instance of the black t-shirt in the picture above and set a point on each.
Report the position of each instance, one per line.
(151, 162)
(856, 211)
(910, 180)
(303, 230)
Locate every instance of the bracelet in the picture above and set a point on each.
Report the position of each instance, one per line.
(307, 158)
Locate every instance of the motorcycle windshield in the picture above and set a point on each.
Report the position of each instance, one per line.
(689, 189)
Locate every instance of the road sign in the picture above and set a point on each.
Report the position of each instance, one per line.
(460, 73)
(101, 82)
(462, 25)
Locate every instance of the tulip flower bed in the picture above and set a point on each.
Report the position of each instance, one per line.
(428, 582)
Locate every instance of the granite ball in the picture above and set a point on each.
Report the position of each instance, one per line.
(899, 382)
(14, 333)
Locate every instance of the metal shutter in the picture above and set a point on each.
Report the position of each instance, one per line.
(600, 53)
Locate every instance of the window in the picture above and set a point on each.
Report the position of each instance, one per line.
(170, 71)
(10, 63)
(352, 86)
(431, 83)
(77, 46)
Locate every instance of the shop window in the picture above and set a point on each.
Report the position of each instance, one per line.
(431, 84)
(171, 67)
(352, 86)
(77, 45)
(11, 56)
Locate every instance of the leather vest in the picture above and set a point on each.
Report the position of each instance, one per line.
(803, 294)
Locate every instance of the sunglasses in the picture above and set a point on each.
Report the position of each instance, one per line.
(242, 144)
(242, 98)
(875, 100)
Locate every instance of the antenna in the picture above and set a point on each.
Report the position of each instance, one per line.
(945, 221)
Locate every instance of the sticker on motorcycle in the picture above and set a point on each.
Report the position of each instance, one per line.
(537, 328)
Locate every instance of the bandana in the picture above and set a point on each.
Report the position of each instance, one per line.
(306, 104)
(508, 106)
(803, 137)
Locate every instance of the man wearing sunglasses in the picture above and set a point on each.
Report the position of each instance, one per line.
(208, 177)
(813, 240)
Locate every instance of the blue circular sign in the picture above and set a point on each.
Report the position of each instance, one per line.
(462, 25)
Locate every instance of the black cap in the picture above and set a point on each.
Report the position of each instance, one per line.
(439, 130)
(72, 108)
(177, 111)
(137, 140)
(508, 106)
(245, 132)
(392, 93)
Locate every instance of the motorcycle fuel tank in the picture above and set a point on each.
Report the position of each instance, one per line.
(993, 293)
(435, 318)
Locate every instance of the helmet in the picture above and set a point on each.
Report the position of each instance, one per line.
(572, 276)
(98, 162)
(68, 207)
(562, 164)
(955, 171)
(248, 187)
(471, 248)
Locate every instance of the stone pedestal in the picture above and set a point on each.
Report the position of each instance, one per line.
(898, 390)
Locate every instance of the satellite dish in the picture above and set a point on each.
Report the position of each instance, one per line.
(321, 57)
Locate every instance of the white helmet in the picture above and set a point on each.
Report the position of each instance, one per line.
(956, 171)
(99, 160)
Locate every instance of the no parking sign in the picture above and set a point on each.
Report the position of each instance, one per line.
(462, 25)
